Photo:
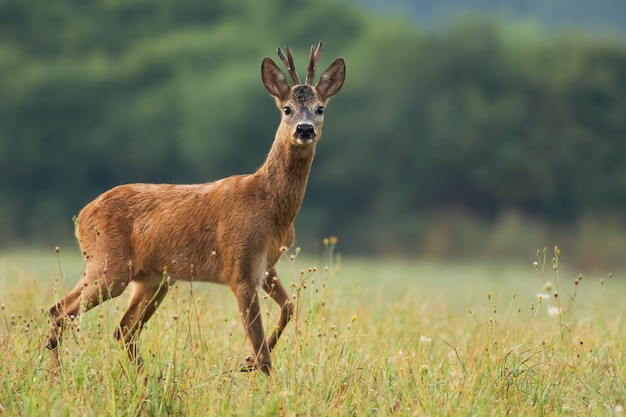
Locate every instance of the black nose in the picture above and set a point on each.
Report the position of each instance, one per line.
(305, 131)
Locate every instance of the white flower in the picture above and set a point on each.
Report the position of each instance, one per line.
(425, 340)
(542, 296)
(554, 311)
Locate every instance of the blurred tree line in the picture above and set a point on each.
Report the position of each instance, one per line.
(478, 117)
(599, 16)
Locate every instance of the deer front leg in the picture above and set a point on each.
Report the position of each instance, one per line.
(274, 287)
(248, 302)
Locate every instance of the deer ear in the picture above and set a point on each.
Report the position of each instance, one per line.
(332, 79)
(274, 79)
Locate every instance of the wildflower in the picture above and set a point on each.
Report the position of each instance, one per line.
(554, 311)
(547, 286)
(541, 296)
(425, 340)
(353, 318)
(535, 265)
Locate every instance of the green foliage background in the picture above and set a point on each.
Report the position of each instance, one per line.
(479, 117)
(600, 16)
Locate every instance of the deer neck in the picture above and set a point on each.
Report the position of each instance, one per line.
(286, 172)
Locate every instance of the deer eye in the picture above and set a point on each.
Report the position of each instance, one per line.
(287, 111)
(320, 110)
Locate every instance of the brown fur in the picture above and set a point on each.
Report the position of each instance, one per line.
(230, 232)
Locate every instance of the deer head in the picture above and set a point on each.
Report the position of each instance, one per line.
(302, 105)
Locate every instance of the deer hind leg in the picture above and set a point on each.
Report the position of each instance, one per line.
(92, 290)
(248, 302)
(274, 287)
(146, 298)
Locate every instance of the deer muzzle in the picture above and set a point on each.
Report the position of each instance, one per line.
(305, 132)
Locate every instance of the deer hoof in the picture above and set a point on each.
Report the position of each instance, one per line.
(249, 365)
(138, 362)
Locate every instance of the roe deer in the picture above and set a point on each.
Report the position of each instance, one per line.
(232, 231)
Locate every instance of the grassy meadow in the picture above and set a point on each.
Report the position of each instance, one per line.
(370, 337)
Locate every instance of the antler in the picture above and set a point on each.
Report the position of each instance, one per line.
(315, 56)
(313, 59)
(288, 61)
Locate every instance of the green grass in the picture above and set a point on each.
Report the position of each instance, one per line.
(369, 338)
